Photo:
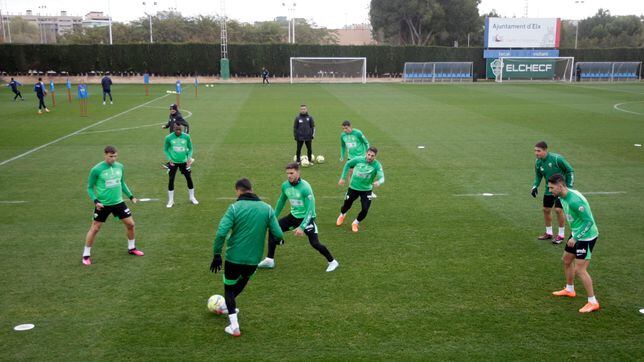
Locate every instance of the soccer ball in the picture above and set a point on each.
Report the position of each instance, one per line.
(319, 159)
(217, 304)
(168, 91)
(305, 162)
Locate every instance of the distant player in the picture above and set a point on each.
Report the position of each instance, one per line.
(299, 194)
(41, 92)
(576, 256)
(106, 82)
(105, 184)
(265, 76)
(304, 132)
(246, 221)
(367, 174)
(353, 143)
(546, 165)
(14, 84)
(178, 149)
(175, 117)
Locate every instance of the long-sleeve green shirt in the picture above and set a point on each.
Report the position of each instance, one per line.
(364, 173)
(106, 183)
(354, 144)
(178, 149)
(301, 198)
(246, 221)
(552, 164)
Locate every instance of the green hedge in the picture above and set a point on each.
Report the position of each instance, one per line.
(246, 59)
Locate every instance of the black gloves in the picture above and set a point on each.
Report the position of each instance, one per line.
(534, 192)
(215, 265)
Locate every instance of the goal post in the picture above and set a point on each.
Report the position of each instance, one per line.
(558, 69)
(328, 70)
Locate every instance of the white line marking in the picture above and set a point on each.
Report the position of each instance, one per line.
(122, 129)
(79, 131)
(14, 202)
(486, 194)
(604, 193)
(616, 106)
(145, 199)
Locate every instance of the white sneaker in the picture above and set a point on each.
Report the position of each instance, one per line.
(111, 102)
(194, 201)
(103, 103)
(267, 264)
(333, 264)
(233, 332)
(170, 204)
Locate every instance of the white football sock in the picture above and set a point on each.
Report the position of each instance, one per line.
(87, 250)
(570, 287)
(170, 195)
(191, 192)
(356, 222)
(562, 231)
(592, 300)
(130, 244)
(234, 324)
(549, 230)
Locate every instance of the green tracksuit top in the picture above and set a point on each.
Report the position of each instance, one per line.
(552, 164)
(301, 198)
(364, 173)
(354, 144)
(178, 149)
(246, 221)
(579, 216)
(106, 183)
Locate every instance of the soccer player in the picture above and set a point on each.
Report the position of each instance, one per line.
(246, 220)
(302, 217)
(546, 165)
(105, 184)
(106, 82)
(367, 174)
(353, 143)
(14, 84)
(582, 240)
(176, 118)
(304, 132)
(41, 92)
(265, 76)
(178, 149)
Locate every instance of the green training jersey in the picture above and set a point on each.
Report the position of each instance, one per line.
(178, 149)
(364, 173)
(106, 183)
(301, 198)
(246, 221)
(354, 144)
(552, 164)
(579, 215)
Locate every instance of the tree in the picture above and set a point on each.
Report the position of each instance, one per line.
(424, 22)
(606, 31)
(23, 31)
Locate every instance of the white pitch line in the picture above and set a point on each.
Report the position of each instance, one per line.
(604, 192)
(14, 202)
(485, 194)
(79, 131)
(616, 106)
(121, 129)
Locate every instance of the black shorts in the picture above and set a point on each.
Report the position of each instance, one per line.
(290, 222)
(119, 210)
(582, 249)
(182, 167)
(233, 272)
(551, 200)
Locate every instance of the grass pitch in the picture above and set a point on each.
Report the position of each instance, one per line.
(436, 272)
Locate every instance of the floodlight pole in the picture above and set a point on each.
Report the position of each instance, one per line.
(577, 2)
(150, 19)
(109, 10)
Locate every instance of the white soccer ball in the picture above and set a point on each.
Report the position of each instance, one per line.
(217, 304)
(319, 159)
(305, 162)
(168, 91)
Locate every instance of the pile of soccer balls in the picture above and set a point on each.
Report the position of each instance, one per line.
(305, 162)
(217, 304)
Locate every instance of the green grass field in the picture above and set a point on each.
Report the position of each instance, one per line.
(435, 272)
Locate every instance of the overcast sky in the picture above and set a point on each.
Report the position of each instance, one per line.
(328, 13)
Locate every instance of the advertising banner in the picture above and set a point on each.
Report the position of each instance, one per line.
(522, 33)
(522, 68)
